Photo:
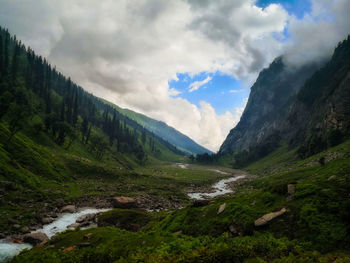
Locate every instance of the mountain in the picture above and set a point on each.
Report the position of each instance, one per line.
(307, 107)
(161, 129)
(268, 103)
(35, 96)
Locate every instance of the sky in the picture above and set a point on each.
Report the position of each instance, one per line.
(189, 63)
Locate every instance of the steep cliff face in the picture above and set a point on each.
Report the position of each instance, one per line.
(308, 107)
(268, 104)
(320, 115)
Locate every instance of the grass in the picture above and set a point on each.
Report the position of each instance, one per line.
(45, 173)
(314, 229)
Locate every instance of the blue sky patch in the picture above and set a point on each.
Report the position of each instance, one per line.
(295, 7)
(223, 92)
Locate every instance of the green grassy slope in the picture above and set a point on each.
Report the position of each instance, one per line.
(315, 227)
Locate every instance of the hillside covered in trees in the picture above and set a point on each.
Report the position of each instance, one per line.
(35, 97)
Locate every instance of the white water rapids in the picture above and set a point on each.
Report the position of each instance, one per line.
(8, 249)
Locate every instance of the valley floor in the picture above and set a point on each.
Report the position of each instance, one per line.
(313, 226)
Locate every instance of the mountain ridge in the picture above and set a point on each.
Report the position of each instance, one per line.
(163, 130)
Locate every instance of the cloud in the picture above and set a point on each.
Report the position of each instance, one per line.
(197, 84)
(174, 92)
(128, 51)
(315, 36)
(236, 90)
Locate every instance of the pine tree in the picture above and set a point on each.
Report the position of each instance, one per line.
(15, 61)
(75, 109)
(6, 52)
(1, 57)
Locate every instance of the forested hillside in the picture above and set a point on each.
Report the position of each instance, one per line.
(166, 132)
(35, 96)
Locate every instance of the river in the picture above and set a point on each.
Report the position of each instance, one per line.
(8, 249)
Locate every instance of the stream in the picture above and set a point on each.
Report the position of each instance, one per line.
(220, 188)
(8, 249)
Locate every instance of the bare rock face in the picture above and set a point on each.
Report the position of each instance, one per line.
(123, 202)
(68, 209)
(268, 217)
(35, 238)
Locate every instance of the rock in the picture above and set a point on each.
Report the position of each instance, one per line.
(69, 249)
(54, 215)
(88, 236)
(46, 220)
(268, 217)
(123, 202)
(73, 225)
(16, 226)
(291, 192)
(60, 202)
(25, 230)
(68, 209)
(198, 203)
(291, 189)
(221, 208)
(42, 243)
(17, 241)
(2, 235)
(35, 238)
(332, 178)
(235, 229)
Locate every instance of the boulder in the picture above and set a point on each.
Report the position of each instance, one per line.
(221, 208)
(291, 189)
(25, 230)
(68, 209)
(46, 220)
(291, 192)
(235, 229)
(123, 202)
(35, 238)
(268, 217)
(88, 236)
